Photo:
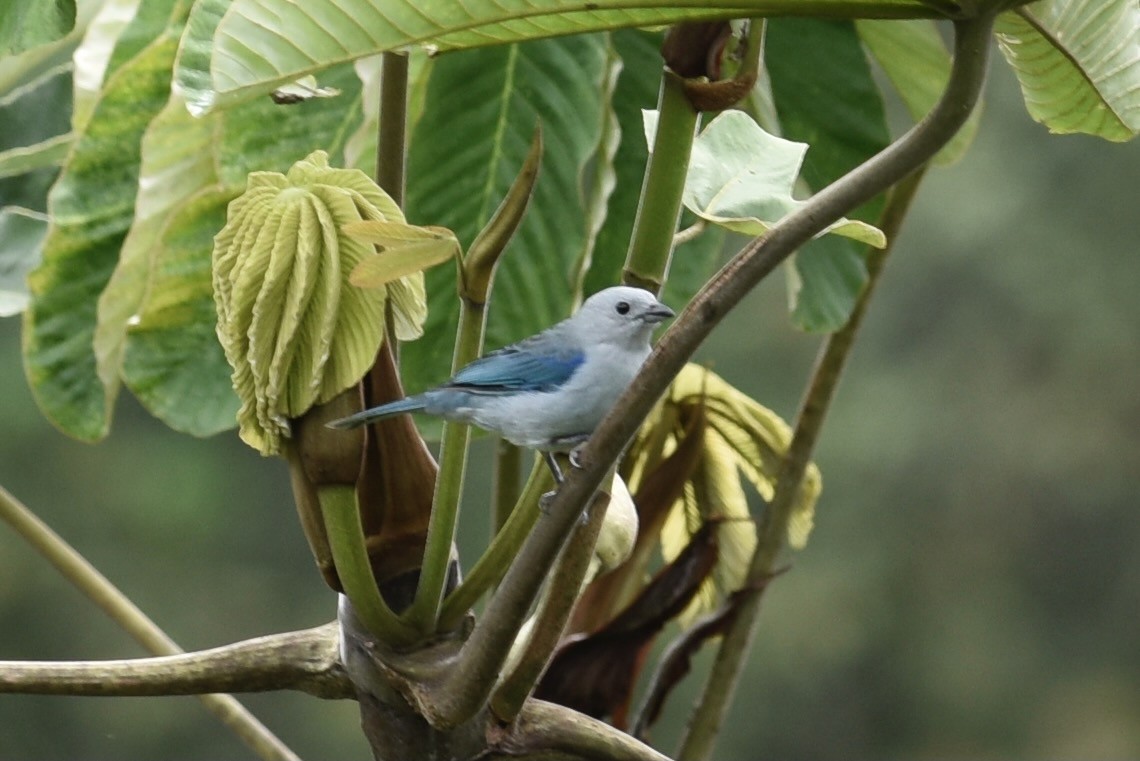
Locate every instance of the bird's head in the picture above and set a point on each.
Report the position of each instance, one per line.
(621, 314)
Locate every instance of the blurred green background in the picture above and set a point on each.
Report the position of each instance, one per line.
(969, 590)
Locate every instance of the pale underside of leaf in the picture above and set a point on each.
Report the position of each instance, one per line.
(742, 178)
(1078, 62)
(233, 49)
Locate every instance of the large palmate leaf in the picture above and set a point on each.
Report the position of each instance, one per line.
(488, 102)
(28, 25)
(831, 103)
(237, 47)
(1078, 62)
(91, 208)
(192, 167)
(914, 57)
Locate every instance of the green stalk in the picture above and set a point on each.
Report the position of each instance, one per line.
(425, 609)
(708, 717)
(89, 581)
(492, 566)
(508, 464)
(350, 556)
(651, 244)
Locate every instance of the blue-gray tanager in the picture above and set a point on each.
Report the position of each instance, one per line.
(547, 392)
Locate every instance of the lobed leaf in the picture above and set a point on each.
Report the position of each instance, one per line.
(741, 178)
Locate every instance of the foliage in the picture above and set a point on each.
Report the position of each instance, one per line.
(179, 128)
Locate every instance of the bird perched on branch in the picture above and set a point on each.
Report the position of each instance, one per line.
(547, 392)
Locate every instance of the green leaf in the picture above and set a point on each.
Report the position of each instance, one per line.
(741, 178)
(1078, 62)
(830, 102)
(21, 239)
(914, 57)
(172, 358)
(182, 158)
(234, 48)
(49, 153)
(400, 261)
(489, 100)
(25, 25)
(91, 207)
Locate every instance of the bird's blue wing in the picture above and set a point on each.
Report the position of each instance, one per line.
(518, 368)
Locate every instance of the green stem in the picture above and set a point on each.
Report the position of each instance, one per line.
(350, 556)
(553, 613)
(508, 464)
(493, 565)
(708, 717)
(87, 579)
(425, 609)
(651, 243)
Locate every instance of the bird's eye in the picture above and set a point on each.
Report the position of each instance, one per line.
(622, 307)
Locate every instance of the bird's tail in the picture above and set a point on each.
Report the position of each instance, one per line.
(398, 407)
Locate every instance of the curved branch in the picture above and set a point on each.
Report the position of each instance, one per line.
(98, 588)
(484, 653)
(306, 660)
(545, 730)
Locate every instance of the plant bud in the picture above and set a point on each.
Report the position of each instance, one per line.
(293, 329)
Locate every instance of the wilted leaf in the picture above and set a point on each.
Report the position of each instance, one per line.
(594, 673)
(677, 658)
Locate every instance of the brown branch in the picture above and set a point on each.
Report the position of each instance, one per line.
(307, 661)
(548, 731)
(468, 684)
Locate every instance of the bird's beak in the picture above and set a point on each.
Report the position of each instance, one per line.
(657, 313)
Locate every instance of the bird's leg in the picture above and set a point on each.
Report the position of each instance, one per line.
(545, 500)
(554, 469)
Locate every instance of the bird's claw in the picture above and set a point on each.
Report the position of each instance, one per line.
(574, 458)
(546, 500)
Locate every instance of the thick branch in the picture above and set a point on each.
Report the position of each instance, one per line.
(485, 651)
(305, 660)
(548, 731)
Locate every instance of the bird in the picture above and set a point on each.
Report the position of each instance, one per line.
(547, 392)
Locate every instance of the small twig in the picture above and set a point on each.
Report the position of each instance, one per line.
(306, 661)
(689, 233)
(75, 568)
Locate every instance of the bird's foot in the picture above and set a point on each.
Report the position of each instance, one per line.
(554, 469)
(575, 459)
